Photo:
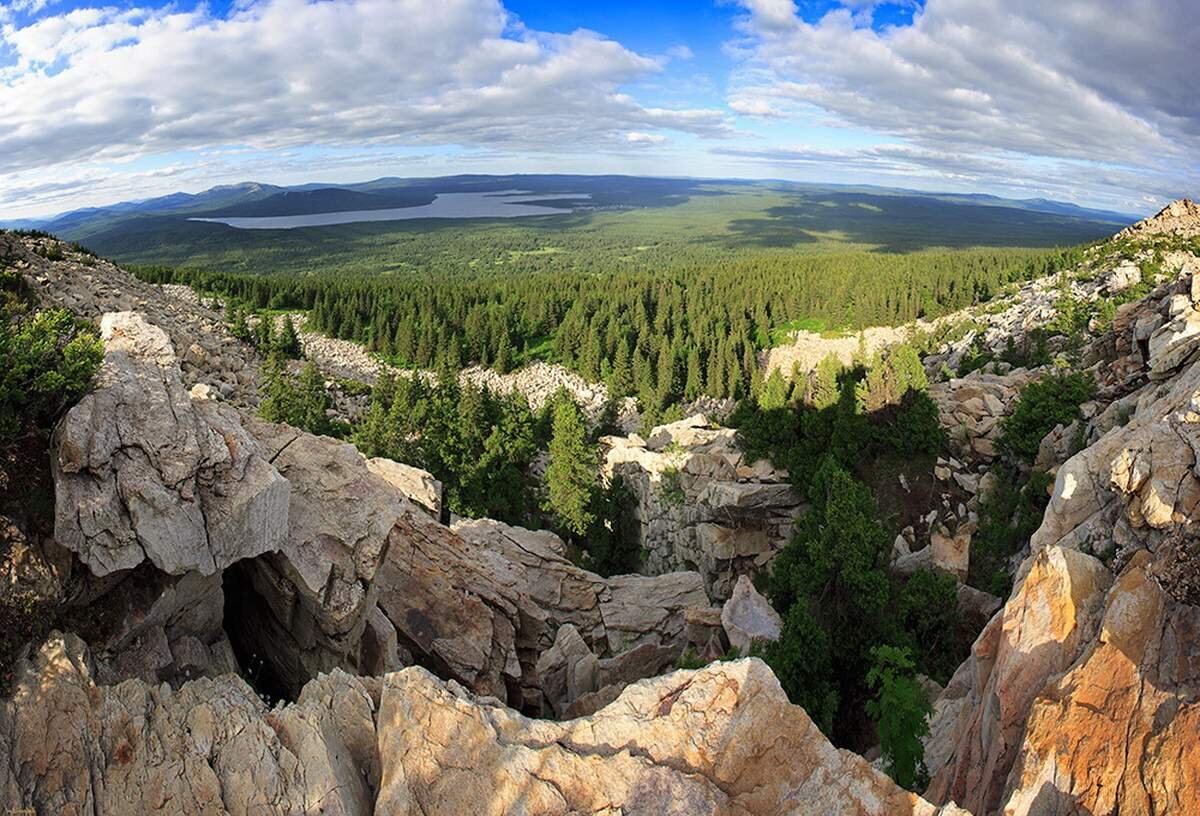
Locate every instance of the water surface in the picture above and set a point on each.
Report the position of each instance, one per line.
(500, 204)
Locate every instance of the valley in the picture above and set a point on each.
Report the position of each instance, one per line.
(903, 479)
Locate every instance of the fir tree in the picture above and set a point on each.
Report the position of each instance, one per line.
(571, 476)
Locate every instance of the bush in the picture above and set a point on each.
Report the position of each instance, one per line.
(802, 660)
(49, 360)
(901, 712)
(927, 613)
(1054, 400)
(1007, 519)
(612, 545)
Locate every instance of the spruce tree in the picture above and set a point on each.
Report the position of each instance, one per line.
(620, 381)
(571, 476)
(287, 342)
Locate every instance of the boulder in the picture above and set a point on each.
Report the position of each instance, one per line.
(639, 609)
(417, 485)
(568, 669)
(977, 735)
(459, 609)
(73, 746)
(951, 553)
(144, 472)
(304, 608)
(749, 617)
(723, 740)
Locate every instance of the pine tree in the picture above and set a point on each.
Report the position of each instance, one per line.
(571, 476)
(312, 402)
(503, 362)
(774, 393)
(823, 386)
(620, 381)
(238, 326)
(287, 342)
(694, 384)
(264, 334)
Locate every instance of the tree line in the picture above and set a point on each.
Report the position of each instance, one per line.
(664, 337)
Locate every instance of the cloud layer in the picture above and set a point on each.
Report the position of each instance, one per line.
(109, 84)
(1072, 82)
(1090, 100)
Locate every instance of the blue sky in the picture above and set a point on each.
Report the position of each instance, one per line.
(124, 99)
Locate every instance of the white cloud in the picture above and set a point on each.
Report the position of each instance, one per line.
(105, 84)
(1095, 81)
(680, 52)
(638, 137)
(755, 107)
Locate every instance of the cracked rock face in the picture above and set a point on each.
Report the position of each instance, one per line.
(70, 746)
(144, 472)
(722, 740)
(980, 718)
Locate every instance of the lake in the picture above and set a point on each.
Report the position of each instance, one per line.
(499, 204)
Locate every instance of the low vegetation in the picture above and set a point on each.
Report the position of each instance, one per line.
(1043, 405)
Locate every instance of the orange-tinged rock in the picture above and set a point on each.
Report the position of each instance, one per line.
(1118, 732)
(1049, 618)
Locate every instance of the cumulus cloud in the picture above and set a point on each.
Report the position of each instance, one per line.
(755, 106)
(1095, 81)
(111, 83)
(638, 137)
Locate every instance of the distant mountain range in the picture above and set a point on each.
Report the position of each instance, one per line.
(252, 199)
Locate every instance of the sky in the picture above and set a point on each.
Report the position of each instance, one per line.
(1089, 101)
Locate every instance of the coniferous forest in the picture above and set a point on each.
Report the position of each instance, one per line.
(664, 337)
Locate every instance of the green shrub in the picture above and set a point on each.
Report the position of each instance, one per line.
(1054, 400)
(49, 360)
(901, 712)
(1007, 518)
(927, 614)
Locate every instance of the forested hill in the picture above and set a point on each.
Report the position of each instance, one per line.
(663, 337)
(665, 289)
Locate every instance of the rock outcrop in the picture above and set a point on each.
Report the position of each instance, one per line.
(722, 740)
(970, 410)
(980, 718)
(145, 472)
(699, 505)
(1081, 695)
(1180, 219)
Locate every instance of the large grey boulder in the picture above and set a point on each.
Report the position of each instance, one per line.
(749, 617)
(144, 472)
(416, 484)
(311, 599)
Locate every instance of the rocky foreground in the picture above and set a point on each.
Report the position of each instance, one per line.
(285, 627)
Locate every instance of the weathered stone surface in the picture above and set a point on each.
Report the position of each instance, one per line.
(69, 746)
(977, 738)
(454, 610)
(143, 472)
(1117, 733)
(611, 614)
(312, 598)
(1137, 482)
(417, 485)
(951, 553)
(568, 669)
(748, 617)
(970, 409)
(700, 505)
(722, 740)
(639, 609)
